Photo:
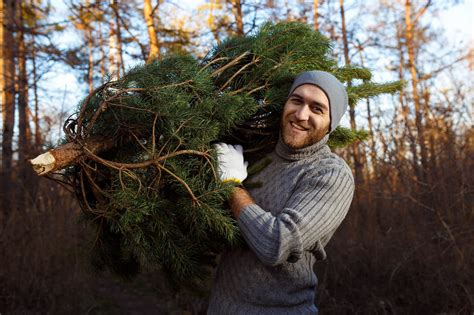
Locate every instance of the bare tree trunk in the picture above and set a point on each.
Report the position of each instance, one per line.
(38, 140)
(113, 53)
(409, 36)
(23, 121)
(316, 15)
(210, 21)
(373, 153)
(26, 178)
(2, 44)
(355, 147)
(102, 52)
(404, 108)
(154, 45)
(7, 10)
(90, 69)
(118, 34)
(237, 10)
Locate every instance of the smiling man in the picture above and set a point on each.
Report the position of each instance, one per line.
(305, 194)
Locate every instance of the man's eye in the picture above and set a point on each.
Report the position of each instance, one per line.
(316, 109)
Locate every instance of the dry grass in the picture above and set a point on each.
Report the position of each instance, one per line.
(42, 255)
(406, 247)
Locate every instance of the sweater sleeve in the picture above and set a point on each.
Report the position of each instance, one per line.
(317, 207)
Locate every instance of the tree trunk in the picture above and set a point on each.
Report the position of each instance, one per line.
(409, 37)
(355, 146)
(237, 10)
(38, 140)
(116, 66)
(316, 15)
(373, 152)
(90, 69)
(67, 154)
(210, 21)
(26, 179)
(24, 136)
(404, 108)
(113, 60)
(154, 45)
(102, 52)
(7, 12)
(118, 34)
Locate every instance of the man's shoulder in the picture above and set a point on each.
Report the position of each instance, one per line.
(329, 162)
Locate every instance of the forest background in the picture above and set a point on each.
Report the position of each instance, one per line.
(407, 244)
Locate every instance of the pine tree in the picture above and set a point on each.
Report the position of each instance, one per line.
(139, 152)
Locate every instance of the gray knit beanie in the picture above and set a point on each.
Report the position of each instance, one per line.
(332, 87)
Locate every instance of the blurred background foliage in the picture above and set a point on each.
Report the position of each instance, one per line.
(406, 246)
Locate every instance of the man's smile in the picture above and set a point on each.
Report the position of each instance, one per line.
(298, 127)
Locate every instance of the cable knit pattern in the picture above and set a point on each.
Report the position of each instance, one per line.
(305, 195)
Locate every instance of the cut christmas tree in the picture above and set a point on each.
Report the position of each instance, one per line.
(138, 153)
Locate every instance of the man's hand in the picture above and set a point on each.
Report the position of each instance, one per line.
(232, 166)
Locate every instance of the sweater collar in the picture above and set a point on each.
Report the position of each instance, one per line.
(287, 153)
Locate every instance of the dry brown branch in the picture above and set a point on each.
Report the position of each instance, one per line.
(153, 139)
(193, 197)
(254, 61)
(213, 62)
(230, 64)
(144, 164)
(84, 107)
(105, 103)
(135, 108)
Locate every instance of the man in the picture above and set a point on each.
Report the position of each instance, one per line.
(287, 222)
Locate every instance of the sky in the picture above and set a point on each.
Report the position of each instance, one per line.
(64, 90)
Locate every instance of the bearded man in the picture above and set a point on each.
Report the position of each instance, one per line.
(287, 222)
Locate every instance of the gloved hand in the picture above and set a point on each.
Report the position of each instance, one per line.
(232, 166)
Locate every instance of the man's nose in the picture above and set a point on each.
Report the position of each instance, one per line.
(302, 113)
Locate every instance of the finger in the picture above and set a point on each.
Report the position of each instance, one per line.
(221, 147)
(239, 148)
(218, 148)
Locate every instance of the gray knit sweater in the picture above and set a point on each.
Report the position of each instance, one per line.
(304, 197)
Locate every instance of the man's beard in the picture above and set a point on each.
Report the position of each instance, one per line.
(312, 136)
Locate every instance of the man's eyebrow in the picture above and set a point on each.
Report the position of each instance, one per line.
(324, 106)
(295, 95)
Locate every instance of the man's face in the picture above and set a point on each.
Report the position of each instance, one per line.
(305, 119)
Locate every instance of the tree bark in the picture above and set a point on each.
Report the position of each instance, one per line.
(316, 15)
(113, 60)
(102, 51)
(24, 136)
(409, 37)
(211, 20)
(38, 138)
(152, 35)
(90, 69)
(237, 10)
(67, 155)
(355, 147)
(118, 35)
(404, 108)
(7, 12)
(373, 152)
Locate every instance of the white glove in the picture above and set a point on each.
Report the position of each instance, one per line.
(232, 166)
